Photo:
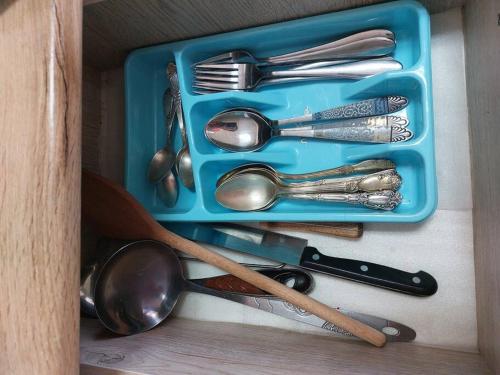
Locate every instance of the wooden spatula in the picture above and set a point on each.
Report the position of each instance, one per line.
(118, 215)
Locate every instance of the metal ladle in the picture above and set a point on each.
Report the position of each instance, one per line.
(254, 191)
(139, 285)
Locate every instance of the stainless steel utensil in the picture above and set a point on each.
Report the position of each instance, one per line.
(364, 108)
(248, 131)
(297, 279)
(384, 180)
(365, 166)
(163, 161)
(137, 286)
(183, 160)
(359, 45)
(244, 76)
(251, 192)
(168, 190)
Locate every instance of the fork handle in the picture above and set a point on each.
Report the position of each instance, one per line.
(356, 70)
(338, 45)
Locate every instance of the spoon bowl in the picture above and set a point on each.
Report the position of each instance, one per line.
(184, 167)
(168, 190)
(239, 130)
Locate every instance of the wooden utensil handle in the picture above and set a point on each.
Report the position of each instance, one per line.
(329, 314)
(348, 230)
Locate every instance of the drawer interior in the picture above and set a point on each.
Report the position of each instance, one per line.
(202, 334)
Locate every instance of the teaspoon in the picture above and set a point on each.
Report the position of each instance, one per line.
(163, 161)
(253, 192)
(378, 181)
(364, 108)
(183, 160)
(365, 166)
(248, 131)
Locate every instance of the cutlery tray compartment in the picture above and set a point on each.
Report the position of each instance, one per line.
(146, 81)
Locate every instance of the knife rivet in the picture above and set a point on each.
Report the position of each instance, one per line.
(364, 268)
(416, 280)
(315, 256)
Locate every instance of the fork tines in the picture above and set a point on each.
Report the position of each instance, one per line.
(217, 77)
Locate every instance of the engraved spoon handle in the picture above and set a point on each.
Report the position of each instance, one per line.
(369, 107)
(365, 166)
(383, 200)
(378, 129)
(384, 180)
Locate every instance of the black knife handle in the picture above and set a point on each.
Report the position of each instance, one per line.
(418, 284)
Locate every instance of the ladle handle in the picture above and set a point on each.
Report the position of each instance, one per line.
(273, 287)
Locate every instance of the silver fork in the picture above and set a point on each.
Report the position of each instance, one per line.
(371, 43)
(231, 77)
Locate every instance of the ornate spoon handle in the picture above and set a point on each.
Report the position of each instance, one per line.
(365, 166)
(384, 180)
(384, 200)
(370, 107)
(378, 129)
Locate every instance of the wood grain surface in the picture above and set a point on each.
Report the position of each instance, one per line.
(113, 28)
(482, 49)
(40, 135)
(180, 346)
(347, 230)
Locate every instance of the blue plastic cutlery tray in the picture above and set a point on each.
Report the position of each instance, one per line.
(146, 81)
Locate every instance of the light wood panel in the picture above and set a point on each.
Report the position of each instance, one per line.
(191, 347)
(112, 28)
(482, 37)
(40, 126)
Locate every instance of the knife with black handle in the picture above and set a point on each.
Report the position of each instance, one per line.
(295, 251)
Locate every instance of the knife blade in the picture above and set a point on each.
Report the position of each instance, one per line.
(295, 251)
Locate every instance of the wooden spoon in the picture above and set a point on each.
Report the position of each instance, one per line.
(118, 215)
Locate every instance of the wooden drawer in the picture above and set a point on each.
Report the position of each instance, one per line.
(44, 93)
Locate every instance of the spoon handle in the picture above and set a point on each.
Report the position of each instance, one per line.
(369, 107)
(379, 129)
(384, 180)
(366, 166)
(384, 200)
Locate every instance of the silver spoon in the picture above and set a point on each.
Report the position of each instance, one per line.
(183, 161)
(139, 285)
(248, 131)
(163, 161)
(253, 191)
(364, 108)
(384, 180)
(365, 166)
